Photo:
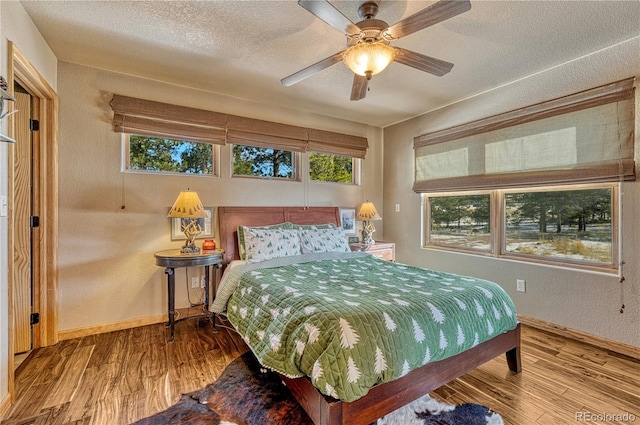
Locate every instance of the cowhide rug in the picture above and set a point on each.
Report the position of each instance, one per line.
(246, 394)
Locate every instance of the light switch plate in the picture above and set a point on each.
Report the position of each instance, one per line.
(4, 206)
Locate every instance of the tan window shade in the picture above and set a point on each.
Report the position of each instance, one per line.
(583, 138)
(337, 144)
(155, 119)
(266, 134)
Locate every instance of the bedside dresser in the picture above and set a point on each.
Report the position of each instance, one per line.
(384, 250)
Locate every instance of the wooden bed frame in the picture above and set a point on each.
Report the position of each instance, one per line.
(384, 398)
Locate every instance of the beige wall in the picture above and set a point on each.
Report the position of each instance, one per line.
(15, 26)
(583, 301)
(107, 272)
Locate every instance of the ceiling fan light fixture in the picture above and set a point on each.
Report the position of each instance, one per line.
(368, 59)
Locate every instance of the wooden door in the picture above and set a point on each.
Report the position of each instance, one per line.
(22, 293)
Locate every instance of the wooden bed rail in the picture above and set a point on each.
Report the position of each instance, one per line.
(385, 398)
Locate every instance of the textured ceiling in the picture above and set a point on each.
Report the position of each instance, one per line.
(244, 48)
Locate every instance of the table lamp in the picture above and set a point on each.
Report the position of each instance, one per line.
(368, 213)
(188, 209)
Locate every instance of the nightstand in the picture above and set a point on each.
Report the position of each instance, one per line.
(384, 250)
(171, 259)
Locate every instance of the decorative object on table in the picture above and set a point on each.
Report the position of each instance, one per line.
(348, 221)
(188, 208)
(208, 245)
(246, 393)
(368, 213)
(206, 223)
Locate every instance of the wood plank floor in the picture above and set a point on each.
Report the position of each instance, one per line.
(120, 377)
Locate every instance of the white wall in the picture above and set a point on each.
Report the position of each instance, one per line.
(107, 272)
(15, 25)
(583, 301)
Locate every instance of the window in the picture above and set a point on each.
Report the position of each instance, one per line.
(264, 162)
(331, 168)
(156, 154)
(460, 221)
(552, 173)
(263, 149)
(570, 225)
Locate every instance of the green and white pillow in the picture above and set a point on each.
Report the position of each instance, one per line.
(241, 232)
(330, 239)
(265, 244)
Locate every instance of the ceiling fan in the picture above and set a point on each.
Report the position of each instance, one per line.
(368, 41)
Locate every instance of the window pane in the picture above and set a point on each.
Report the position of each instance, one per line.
(168, 155)
(330, 168)
(568, 224)
(262, 162)
(460, 221)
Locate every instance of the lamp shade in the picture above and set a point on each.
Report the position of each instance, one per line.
(187, 205)
(368, 212)
(368, 59)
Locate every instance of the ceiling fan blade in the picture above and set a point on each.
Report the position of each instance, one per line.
(310, 70)
(359, 88)
(437, 12)
(422, 62)
(330, 15)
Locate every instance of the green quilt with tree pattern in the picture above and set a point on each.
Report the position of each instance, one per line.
(350, 321)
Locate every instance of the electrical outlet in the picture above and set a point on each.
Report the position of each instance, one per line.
(195, 282)
(521, 285)
(202, 281)
(397, 207)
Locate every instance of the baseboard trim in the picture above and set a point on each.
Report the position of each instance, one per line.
(618, 347)
(607, 344)
(111, 327)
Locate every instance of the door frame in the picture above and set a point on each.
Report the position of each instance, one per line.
(45, 288)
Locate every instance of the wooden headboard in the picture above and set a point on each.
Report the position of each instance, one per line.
(229, 218)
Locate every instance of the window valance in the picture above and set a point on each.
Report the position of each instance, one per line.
(587, 137)
(156, 119)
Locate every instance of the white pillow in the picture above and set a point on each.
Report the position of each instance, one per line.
(323, 240)
(264, 244)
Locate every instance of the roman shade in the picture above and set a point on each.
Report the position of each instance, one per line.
(337, 144)
(266, 134)
(156, 119)
(587, 137)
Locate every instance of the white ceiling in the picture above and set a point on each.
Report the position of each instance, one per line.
(244, 48)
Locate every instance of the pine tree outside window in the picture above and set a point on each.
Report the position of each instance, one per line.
(162, 155)
(332, 168)
(253, 161)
